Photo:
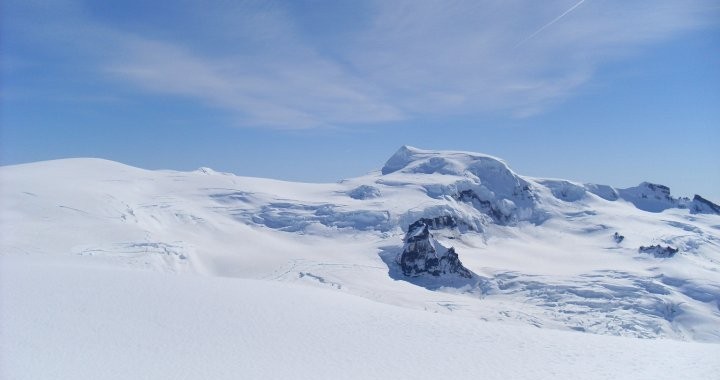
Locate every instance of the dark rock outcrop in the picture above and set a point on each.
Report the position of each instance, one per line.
(657, 190)
(701, 205)
(422, 254)
(485, 206)
(438, 222)
(658, 250)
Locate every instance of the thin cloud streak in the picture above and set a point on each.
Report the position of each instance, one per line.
(556, 19)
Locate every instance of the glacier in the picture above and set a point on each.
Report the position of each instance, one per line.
(508, 249)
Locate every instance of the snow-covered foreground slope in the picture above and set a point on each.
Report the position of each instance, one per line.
(548, 253)
(66, 318)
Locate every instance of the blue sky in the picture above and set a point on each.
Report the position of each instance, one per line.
(603, 91)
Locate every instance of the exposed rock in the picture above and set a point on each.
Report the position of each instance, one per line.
(438, 223)
(658, 189)
(659, 251)
(653, 197)
(422, 254)
(650, 197)
(501, 213)
(701, 205)
(444, 217)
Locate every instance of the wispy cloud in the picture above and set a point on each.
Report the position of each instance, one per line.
(469, 49)
(300, 93)
(399, 60)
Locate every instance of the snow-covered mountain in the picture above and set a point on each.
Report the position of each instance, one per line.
(440, 231)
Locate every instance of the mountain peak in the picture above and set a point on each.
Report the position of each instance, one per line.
(400, 159)
(409, 159)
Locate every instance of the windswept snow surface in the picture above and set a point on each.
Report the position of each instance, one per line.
(210, 274)
(66, 319)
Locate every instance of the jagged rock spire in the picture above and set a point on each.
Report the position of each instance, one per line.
(422, 254)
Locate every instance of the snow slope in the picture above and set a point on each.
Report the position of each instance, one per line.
(69, 319)
(543, 253)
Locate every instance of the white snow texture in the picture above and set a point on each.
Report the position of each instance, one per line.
(115, 272)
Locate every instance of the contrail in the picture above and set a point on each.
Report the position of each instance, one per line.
(556, 19)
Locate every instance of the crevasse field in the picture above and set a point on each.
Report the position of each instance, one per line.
(114, 272)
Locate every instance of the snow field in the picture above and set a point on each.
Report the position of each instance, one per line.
(68, 319)
(109, 271)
